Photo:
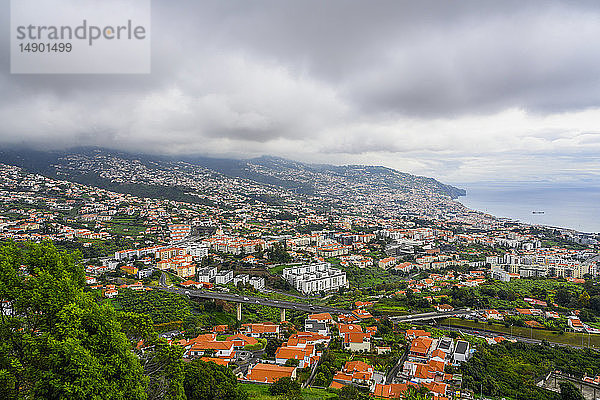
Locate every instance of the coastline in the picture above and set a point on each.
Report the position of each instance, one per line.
(574, 208)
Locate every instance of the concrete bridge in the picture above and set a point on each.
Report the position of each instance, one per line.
(430, 316)
(257, 301)
(296, 306)
(552, 382)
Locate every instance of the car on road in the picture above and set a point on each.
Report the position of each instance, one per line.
(245, 298)
(187, 292)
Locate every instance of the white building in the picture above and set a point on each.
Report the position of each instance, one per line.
(145, 273)
(242, 278)
(224, 277)
(315, 278)
(499, 274)
(461, 352)
(206, 274)
(111, 264)
(197, 250)
(257, 282)
(7, 308)
(137, 253)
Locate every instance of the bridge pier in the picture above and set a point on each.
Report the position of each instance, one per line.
(239, 312)
(282, 314)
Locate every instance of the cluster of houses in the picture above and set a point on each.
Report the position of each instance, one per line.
(180, 260)
(543, 262)
(211, 275)
(438, 282)
(299, 351)
(236, 245)
(426, 365)
(528, 314)
(110, 290)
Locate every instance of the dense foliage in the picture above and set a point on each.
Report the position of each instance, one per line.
(209, 381)
(286, 386)
(569, 391)
(60, 343)
(512, 369)
(162, 307)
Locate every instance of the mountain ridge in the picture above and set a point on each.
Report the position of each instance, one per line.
(339, 183)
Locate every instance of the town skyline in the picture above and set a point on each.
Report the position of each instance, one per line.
(465, 93)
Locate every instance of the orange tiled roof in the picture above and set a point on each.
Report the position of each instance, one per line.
(269, 373)
(421, 345)
(215, 360)
(349, 328)
(287, 353)
(321, 317)
(216, 345)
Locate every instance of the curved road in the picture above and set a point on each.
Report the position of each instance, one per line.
(236, 298)
(430, 315)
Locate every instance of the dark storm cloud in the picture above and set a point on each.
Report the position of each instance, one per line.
(422, 58)
(335, 81)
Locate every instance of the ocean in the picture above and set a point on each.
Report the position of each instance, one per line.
(567, 207)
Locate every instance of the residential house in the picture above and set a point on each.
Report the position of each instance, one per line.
(269, 373)
(357, 341)
(260, 330)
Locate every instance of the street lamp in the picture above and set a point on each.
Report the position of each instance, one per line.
(531, 332)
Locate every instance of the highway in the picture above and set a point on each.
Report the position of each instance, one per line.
(163, 279)
(486, 333)
(236, 298)
(430, 316)
(305, 307)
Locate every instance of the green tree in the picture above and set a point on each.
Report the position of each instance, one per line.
(569, 391)
(271, 347)
(584, 299)
(165, 369)
(292, 362)
(416, 394)
(562, 297)
(350, 392)
(278, 254)
(60, 343)
(285, 386)
(209, 381)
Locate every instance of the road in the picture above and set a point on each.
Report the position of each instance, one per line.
(486, 333)
(592, 260)
(236, 298)
(430, 315)
(287, 294)
(162, 281)
(291, 305)
(393, 373)
(552, 382)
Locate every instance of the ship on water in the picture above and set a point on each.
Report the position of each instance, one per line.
(537, 212)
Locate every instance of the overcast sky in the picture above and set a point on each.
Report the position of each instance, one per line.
(458, 90)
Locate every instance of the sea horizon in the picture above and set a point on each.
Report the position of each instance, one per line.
(557, 205)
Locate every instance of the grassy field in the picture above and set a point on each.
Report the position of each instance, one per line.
(261, 392)
(278, 270)
(369, 276)
(571, 338)
(212, 318)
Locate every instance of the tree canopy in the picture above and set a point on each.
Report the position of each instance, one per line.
(209, 381)
(59, 343)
